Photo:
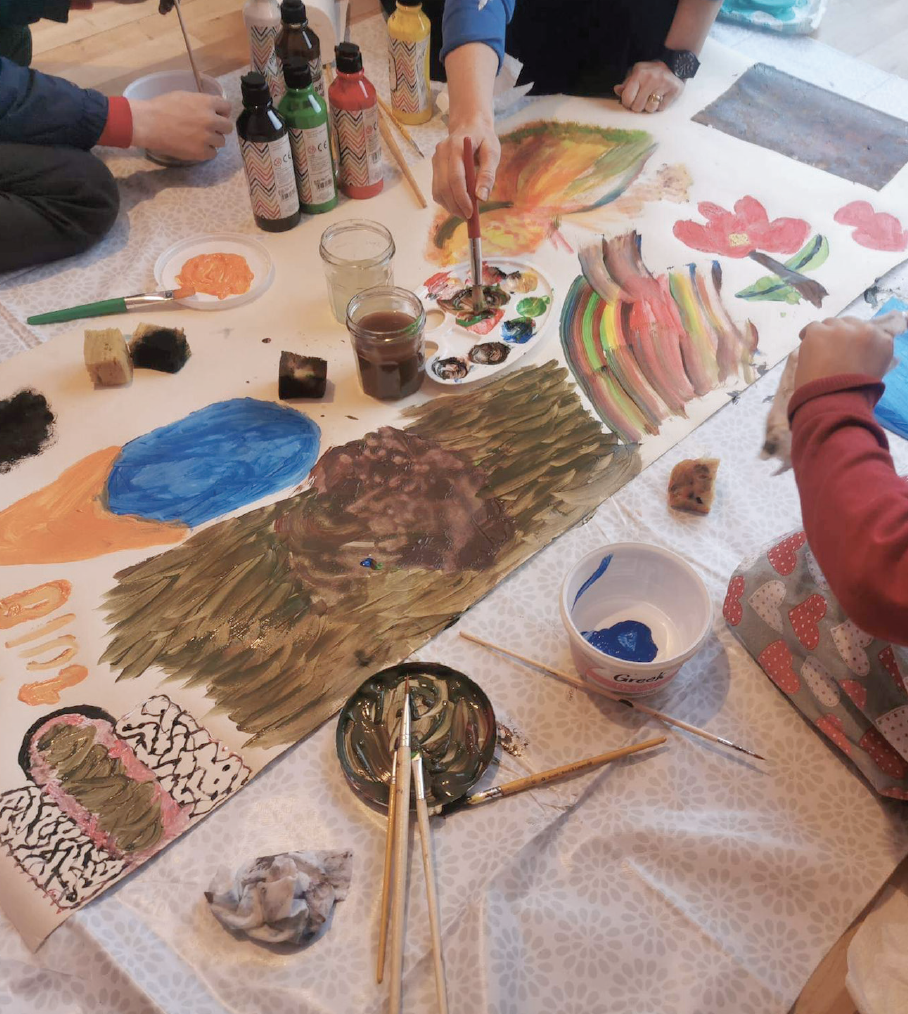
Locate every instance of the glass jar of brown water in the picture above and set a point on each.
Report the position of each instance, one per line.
(386, 324)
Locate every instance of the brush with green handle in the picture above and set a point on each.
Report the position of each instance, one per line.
(105, 307)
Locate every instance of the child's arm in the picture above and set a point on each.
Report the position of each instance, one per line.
(854, 505)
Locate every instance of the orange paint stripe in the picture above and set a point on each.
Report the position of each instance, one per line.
(47, 628)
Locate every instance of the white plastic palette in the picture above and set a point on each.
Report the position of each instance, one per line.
(464, 354)
(171, 262)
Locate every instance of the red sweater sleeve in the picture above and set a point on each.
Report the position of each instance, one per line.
(854, 505)
(117, 131)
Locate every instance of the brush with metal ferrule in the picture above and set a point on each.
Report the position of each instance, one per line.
(105, 307)
(473, 231)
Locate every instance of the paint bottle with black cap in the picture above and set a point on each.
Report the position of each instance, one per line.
(298, 40)
(306, 116)
(354, 119)
(267, 158)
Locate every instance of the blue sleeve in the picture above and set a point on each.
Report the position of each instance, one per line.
(37, 108)
(470, 21)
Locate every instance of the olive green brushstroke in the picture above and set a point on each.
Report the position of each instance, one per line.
(272, 612)
(125, 809)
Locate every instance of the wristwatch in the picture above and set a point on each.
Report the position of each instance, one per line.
(681, 62)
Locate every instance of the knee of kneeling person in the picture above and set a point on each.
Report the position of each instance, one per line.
(96, 204)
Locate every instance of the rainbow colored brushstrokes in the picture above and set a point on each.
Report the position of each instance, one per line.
(643, 346)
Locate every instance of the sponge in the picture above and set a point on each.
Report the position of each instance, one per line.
(159, 348)
(107, 358)
(692, 485)
(301, 376)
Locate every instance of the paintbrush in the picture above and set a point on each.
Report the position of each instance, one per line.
(104, 307)
(401, 845)
(473, 231)
(545, 777)
(595, 689)
(394, 147)
(425, 841)
(189, 53)
(404, 133)
(386, 875)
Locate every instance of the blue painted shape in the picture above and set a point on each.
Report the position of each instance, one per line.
(593, 578)
(519, 330)
(211, 462)
(629, 640)
(892, 409)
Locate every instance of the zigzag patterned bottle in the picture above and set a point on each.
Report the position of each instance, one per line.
(298, 41)
(267, 158)
(354, 115)
(408, 62)
(263, 23)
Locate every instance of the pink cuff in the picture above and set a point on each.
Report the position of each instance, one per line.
(117, 132)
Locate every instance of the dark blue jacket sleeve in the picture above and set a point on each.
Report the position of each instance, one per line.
(37, 108)
(469, 21)
(27, 12)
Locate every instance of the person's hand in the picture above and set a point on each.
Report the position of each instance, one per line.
(449, 185)
(847, 345)
(184, 125)
(649, 80)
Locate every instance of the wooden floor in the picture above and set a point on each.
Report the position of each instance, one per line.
(108, 47)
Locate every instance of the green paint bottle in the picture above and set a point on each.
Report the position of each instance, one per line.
(306, 115)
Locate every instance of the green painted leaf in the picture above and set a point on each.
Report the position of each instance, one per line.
(772, 288)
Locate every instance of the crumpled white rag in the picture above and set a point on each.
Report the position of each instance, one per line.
(281, 899)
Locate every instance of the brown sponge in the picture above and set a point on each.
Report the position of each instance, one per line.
(692, 485)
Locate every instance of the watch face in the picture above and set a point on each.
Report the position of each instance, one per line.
(683, 64)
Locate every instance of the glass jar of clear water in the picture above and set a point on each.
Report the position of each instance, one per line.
(356, 255)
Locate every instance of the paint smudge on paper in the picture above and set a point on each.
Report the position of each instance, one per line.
(548, 171)
(213, 461)
(26, 427)
(875, 230)
(774, 110)
(670, 183)
(772, 288)
(748, 232)
(105, 795)
(519, 330)
(269, 611)
(452, 721)
(48, 691)
(629, 640)
(150, 491)
(217, 274)
(642, 346)
(32, 604)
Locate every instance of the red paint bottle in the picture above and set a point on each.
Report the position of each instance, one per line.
(354, 117)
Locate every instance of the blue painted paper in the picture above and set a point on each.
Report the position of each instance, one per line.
(629, 640)
(215, 460)
(892, 409)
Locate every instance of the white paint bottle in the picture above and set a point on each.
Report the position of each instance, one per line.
(263, 25)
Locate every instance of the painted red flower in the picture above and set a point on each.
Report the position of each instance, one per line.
(743, 231)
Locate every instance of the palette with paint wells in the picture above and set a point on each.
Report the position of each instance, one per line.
(471, 346)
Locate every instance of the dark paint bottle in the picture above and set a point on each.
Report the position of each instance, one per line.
(297, 40)
(267, 158)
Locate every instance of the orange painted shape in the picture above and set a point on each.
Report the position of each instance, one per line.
(68, 521)
(217, 274)
(64, 656)
(33, 603)
(46, 628)
(48, 691)
(64, 640)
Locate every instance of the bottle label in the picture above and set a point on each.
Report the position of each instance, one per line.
(264, 58)
(312, 161)
(272, 182)
(407, 71)
(358, 146)
(318, 78)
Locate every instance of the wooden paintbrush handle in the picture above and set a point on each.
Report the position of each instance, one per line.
(386, 874)
(469, 169)
(422, 817)
(399, 897)
(398, 156)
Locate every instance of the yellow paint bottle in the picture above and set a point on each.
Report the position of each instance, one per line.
(408, 54)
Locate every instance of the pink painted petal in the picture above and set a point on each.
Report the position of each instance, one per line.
(856, 213)
(750, 211)
(712, 212)
(783, 235)
(696, 236)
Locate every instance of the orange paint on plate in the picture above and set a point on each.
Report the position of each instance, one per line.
(68, 521)
(217, 274)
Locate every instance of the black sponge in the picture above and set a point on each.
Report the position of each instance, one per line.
(301, 376)
(159, 348)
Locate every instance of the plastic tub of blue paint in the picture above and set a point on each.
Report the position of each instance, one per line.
(634, 614)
